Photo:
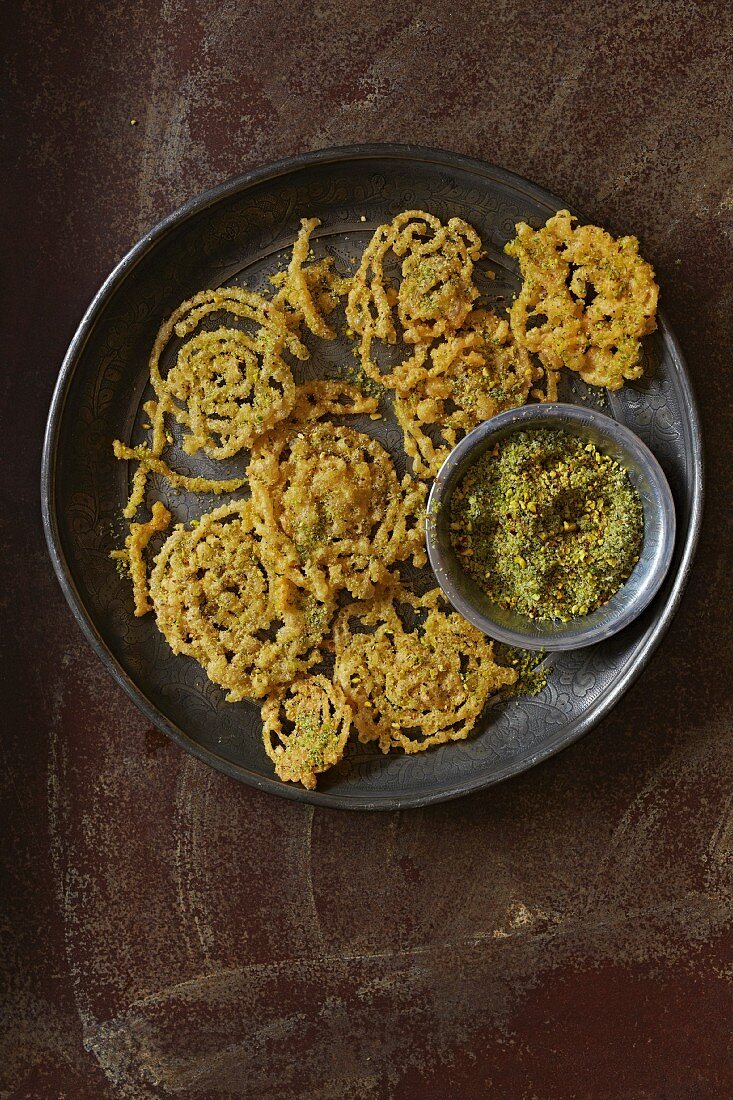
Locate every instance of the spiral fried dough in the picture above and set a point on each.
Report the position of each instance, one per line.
(228, 386)
(413, 686)
(225, 388)
(214, 601)
(435, 291)
(305, 728)
(331, 512)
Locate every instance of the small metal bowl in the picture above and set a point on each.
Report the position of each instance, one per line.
(645, 475)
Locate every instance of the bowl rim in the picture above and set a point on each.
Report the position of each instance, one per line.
(562, 415)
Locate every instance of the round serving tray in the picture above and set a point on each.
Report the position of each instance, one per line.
(239, 233)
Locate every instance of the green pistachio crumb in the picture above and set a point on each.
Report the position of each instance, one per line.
(548, 525)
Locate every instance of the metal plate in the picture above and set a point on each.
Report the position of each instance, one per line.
(239, 233)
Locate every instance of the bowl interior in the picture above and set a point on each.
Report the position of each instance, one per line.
(645, 475)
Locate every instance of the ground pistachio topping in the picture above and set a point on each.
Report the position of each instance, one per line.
(530, 667)
(547, 524)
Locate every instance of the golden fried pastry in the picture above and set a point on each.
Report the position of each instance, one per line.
(307, 293)
(416, 673)
(215, 602)
(225, 388)
(467, 379)
(231, 388)
(327, 397)
(135, 545)
(305, 727)
(331, 512)
(148, 461)
(228, 386)
(435, 291)
(586, 301)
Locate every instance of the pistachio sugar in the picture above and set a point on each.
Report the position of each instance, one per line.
(547, 525)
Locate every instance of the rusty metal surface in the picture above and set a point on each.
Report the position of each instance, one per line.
(168, 933)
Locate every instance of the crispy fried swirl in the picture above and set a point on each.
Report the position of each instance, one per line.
(586, 300)
(215, 601)
(305, 727)
(468, 378)
(435, 289)
(416, 673)
(331, 511)
(227, 386)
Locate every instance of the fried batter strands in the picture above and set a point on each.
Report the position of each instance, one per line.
(586, 300)
(435, 292)
(434, 677)
(214, 600)
(148, 461)
(369, 305)
(228, 383)
(327, 397)
(319, 718)
(135, 544)
(470, 377)
(242, 303)
(434, 296)
(310, 291)
(231, 388)
(331, 511)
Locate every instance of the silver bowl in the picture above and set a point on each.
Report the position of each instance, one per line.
(645, 475)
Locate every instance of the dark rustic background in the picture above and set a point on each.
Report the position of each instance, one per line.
(168, 933)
